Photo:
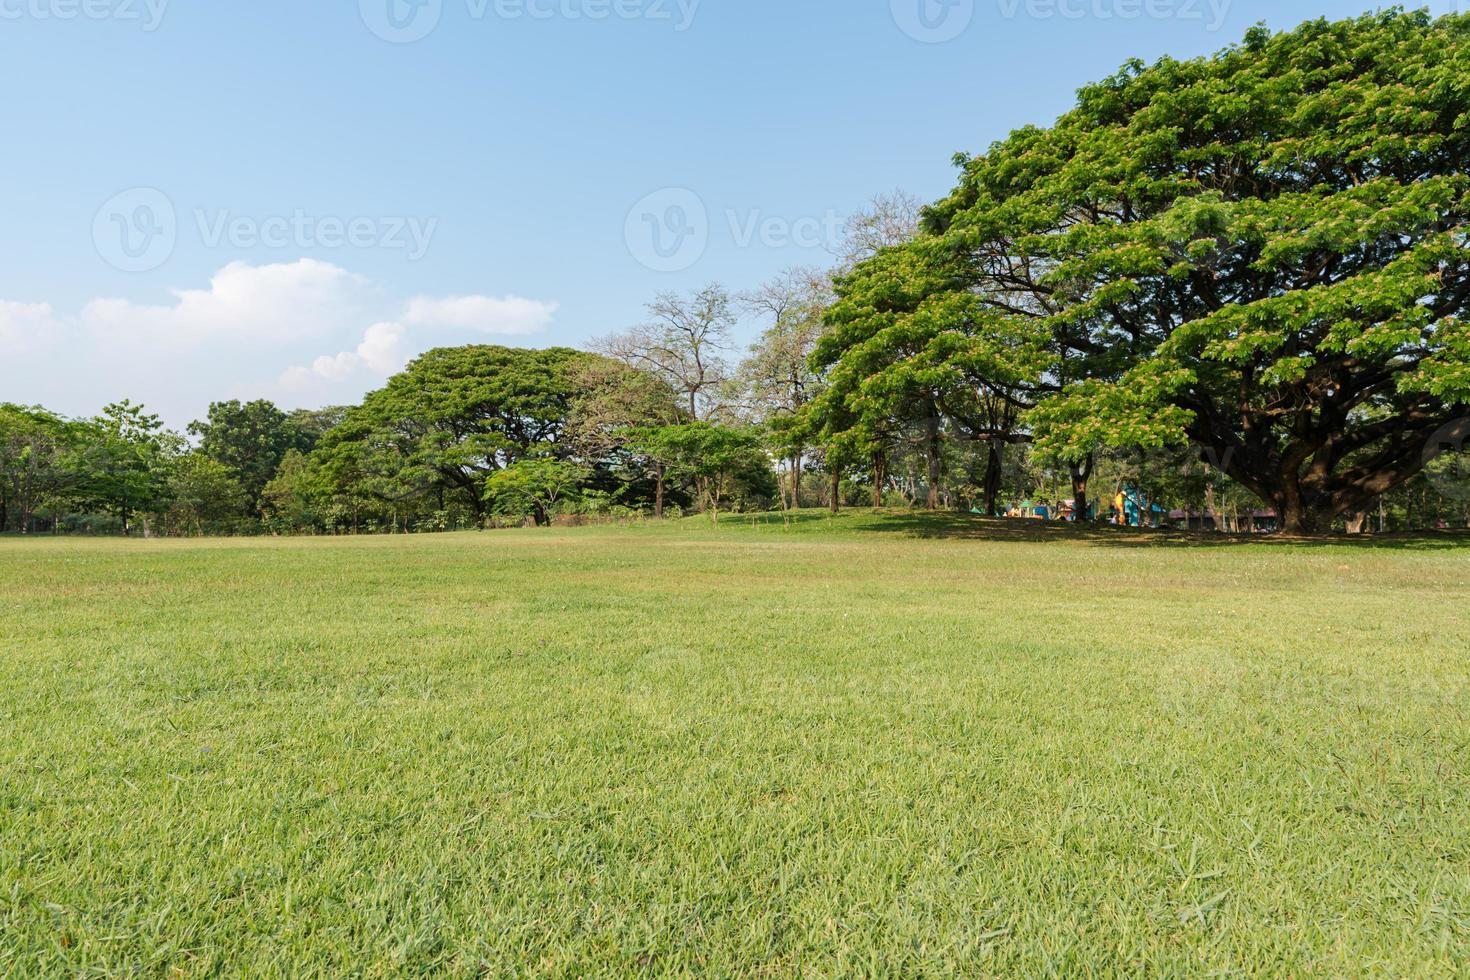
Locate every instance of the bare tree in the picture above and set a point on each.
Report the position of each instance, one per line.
(613, 400)
(684, 344)
(889, 220)
(776, 379)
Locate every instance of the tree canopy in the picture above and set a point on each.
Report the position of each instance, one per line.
(1262, 254)
(457, 415)
(250, 440)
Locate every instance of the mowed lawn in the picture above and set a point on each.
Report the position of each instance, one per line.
(880, 746)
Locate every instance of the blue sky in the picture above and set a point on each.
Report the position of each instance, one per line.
(307, 197)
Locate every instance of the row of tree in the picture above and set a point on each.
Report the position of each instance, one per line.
(1226, 284)
(662, 420)
(461, 438)
(123, 471)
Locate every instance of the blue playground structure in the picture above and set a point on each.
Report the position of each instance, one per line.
(1135, 508)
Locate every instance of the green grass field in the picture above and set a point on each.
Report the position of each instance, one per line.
(880, 746)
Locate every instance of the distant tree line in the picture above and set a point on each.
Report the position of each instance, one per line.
(1227, 285)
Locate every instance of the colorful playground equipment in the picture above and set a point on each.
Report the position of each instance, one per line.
(1132, 509)
(1061, 510)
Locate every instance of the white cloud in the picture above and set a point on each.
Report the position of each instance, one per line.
(253, 304)
(509, 316)
(384, 348)
(26, 327)
(381, 352)
(231, 338)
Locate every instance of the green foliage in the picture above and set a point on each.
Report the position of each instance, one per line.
(250, 440)
(297, 497)
(451, 419)
(121, 462)
(716, 458)
(34, 445)
(204, 497)
(534, 488)
(1276, 236)
(1262, 254)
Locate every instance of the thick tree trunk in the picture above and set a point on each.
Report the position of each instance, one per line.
(994, 473)
(1291, 505)
(1318, 478)
(1298, 517)
(796, 482)
(836, 502)
(658, 493)
(880, 478)
(1081, 474)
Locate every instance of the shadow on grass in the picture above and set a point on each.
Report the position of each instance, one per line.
(968, 527)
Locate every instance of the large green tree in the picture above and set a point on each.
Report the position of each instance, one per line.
(121, 463)
(713, 457)
(452, 418)
(1262, 254)
(250, 440)
(534, 487)
(34, 445)
(614, 400)
(914, 354)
